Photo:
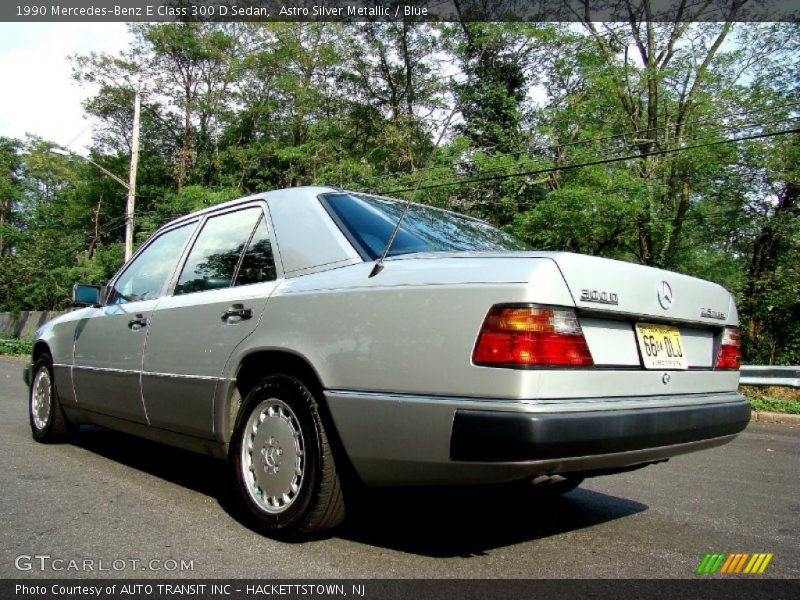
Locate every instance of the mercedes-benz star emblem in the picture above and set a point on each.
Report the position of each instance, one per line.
(665, 297)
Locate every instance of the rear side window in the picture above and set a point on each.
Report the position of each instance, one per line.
(258, 263)
(145, 277)
(216, 253)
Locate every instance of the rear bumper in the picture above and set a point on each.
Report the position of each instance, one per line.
(398, 439)
(488, 436)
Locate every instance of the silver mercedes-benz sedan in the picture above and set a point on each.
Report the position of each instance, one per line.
(270, 331)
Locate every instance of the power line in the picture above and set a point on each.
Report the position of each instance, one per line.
(535, 161)
(697, 136)
(639, 187)
(537, 149)
(595, 162)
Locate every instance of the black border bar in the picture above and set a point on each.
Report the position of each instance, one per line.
(699, 587)
(396, 10)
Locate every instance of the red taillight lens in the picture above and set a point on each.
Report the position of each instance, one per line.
(531, 336)
(730, 349)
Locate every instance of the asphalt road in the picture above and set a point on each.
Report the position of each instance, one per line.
(110, 497)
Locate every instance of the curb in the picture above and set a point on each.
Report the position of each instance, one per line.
(762, 416)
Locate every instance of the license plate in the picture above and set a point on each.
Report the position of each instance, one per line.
(661, 346)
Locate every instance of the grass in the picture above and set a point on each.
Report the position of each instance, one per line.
(10, 345)
(773, 398)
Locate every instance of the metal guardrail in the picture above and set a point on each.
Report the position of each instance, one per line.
(770, 375)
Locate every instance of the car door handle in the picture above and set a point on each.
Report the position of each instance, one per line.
(137, 323)
(237, 310)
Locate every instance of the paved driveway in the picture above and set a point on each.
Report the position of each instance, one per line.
(110, 497)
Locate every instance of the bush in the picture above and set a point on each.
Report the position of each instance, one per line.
(12, 345)
(773, 398)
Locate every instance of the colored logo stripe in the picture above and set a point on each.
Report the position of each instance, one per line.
(710, 563)
(732, 558)
(734, 563)
(758, 563)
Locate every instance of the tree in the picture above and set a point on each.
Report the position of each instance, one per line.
(659, 74)
(665, 143)
(10, 186)
(392, 79)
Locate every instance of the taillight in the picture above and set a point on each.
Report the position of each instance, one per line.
(730, 349)
(531, 335)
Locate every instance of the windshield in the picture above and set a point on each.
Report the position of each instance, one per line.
(368, 221)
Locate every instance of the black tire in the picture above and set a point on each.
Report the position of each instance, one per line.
(290, 433)
(48, 423)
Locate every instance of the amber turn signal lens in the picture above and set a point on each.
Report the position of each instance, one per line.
(531, 335)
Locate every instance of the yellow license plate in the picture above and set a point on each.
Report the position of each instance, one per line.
(661, 346)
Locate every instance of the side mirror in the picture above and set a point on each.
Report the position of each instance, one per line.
(85, 295)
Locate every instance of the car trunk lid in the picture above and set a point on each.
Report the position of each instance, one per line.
(612, 297)
(609, 286)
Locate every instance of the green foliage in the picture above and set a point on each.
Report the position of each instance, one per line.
(593, 214)
(769, 404)
(10, 345)
(175, 204)
(495, 59)
(572, 137)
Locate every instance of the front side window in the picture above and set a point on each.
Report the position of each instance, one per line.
(145, 277)
(215, 256)
(369, 221)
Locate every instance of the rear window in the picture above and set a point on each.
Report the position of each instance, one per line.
(368, 221)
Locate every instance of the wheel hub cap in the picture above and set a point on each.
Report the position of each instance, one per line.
(40, 399)
(273, 456)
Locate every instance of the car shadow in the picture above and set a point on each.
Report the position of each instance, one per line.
(197, 472)
(437, 522)
(470, 521)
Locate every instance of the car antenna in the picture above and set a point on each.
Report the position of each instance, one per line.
(379, 263)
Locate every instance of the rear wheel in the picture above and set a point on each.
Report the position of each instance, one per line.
(284, 467)
(48, 423)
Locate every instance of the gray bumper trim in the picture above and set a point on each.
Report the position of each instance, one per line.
(404, 439)
(489, 436)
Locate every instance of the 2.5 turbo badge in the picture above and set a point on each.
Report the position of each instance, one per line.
(712, 314)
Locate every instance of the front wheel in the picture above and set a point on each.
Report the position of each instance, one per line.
(48, 423)
(284, 467)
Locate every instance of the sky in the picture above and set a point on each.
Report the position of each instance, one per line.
(39, 95)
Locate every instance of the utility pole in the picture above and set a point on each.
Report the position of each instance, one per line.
(131, 204)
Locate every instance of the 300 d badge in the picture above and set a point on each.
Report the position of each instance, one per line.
(599, 297)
